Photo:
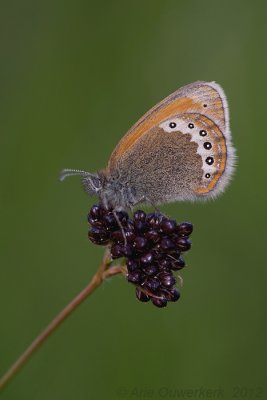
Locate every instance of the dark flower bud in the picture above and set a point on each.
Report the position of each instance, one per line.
(140, 243)
(146, 259)
(165, 263)
(157, 253)
(162, 302)
(130, 236)
(167, 279)
(150, 270)
(117, 251)
(168, 226)
(139, 225)
(132, 265)
(98, 235)
(185, 229)
(175, 294)
(110, 221)
(154, 220)
(141, 295)
(140, 216)
(152, 284)
(152, 235)
(166, 244)
(117, 236)
(128, 250)
(122, 216)
(183, 243)
(135, 277)
(96, 211)
(175, 254)
(178, 264)
(93, 221)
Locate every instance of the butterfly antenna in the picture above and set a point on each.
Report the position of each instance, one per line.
(71, 172)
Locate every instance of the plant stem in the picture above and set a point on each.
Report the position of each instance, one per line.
(101, 274)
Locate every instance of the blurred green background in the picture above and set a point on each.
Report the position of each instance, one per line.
(74, 77)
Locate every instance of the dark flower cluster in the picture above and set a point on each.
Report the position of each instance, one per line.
(152, 245)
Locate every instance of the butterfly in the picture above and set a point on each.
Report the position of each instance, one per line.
(181, 149)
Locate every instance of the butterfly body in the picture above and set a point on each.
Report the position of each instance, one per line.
(179, 150)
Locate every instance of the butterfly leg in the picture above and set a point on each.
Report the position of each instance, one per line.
(120, 225)
(145, 199)
(153, 205)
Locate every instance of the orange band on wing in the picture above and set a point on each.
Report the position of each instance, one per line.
(220, 150)
(178, 106)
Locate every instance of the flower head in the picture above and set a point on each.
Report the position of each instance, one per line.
(151, 245)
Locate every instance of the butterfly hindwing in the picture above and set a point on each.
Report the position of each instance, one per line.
(183, 161)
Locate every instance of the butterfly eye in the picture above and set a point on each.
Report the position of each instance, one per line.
(172, 125)
(207, 176)
(205, 105)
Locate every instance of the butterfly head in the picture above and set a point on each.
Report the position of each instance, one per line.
(112, 192)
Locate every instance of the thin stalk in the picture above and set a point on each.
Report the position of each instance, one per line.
(101, 274)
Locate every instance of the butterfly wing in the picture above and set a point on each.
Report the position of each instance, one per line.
(180, 149)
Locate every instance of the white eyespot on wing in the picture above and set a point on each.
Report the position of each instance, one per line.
(231, 151)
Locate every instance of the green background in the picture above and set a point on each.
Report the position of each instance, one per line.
(74, 77)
